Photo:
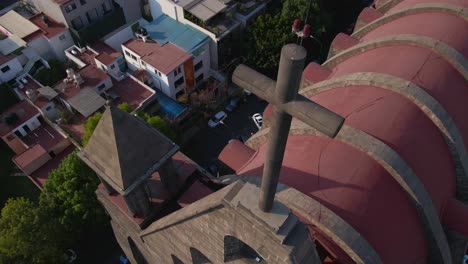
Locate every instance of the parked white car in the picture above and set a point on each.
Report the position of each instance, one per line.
(258, 120)
(217, 119)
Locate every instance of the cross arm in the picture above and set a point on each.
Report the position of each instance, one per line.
(302, 108)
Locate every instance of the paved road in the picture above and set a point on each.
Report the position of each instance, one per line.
(208, 143)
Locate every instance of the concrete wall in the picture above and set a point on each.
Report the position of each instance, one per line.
(51, 9)
(205, 57)
(118, 37)
(59, 46)
(50, 111)
(15, 68)
(32, 124)
(107, 85)
(42, 47)
(60, 147)
(15, 143)
(81, 11)
(131, 8)
(159, 7)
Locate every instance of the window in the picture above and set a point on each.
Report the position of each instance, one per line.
(101, 87)
(199, 52)
(77, 23)
(105, 7)
(92, 15)
(179, 82)
(70, 7)
(48, 108)
(199, 78)
(134, 57)
(143, 63)
(62, 37)
(157, 72)
(5, 69)
(83, 2)
(177, 71)
(198, 257)
(235, 249)
(199, 65)
(112, 66)
(128, 54)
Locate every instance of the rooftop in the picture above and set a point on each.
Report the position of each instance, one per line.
(92, 76)
(45, 135)
(87, 101)
(164, 57)
(24, 112)
(42, 99)
(40, 176)
(130, 91)
(51, 29)
(17, 24)
(111, 149)
(6, 58)
(165, 29)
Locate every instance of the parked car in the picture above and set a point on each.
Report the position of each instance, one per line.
(232, 104)
(217, 119)
(258, 120)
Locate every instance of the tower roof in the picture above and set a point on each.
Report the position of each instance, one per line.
(112, 150)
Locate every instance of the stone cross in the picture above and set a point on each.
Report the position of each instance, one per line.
(283, 95)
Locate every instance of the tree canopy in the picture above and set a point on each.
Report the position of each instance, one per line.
(90, 125)
(69, 196)
(272, 30)
(67, 212)
(29, 236)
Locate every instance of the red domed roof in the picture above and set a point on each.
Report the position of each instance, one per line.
(426, 50)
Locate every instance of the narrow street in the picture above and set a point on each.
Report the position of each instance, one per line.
(208, 143)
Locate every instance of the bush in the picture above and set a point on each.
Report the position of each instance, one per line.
(90, 126)
(51, 76)
(125, 107)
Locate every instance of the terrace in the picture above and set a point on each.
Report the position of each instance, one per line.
(220, 24)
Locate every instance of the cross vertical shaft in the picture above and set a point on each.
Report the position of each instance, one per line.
(287, 86)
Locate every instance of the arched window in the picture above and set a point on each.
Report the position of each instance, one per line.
(235, 249)
(198, 257)
(137, 255)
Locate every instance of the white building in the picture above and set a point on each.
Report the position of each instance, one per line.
(176, 56)
(24, 42)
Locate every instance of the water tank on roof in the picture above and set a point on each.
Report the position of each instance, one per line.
(70, 73)
(31, 94)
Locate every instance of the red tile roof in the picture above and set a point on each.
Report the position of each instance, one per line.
(40, 176)
(91, 75)
(131, 91)
(49, 30)
(105, 58)
(45, 135)
(102, 47)
(165, 58)
(26, 158)
(23, 110)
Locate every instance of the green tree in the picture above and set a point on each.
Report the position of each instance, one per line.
(69, 197)
(272, 30)
(158, 123)
(53, 75)
(90, 126)
(125, 107)
(27, 236)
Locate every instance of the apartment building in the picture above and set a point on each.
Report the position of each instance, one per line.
(88, 19)
(222, 21)
(175, 55)
(30, 42)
